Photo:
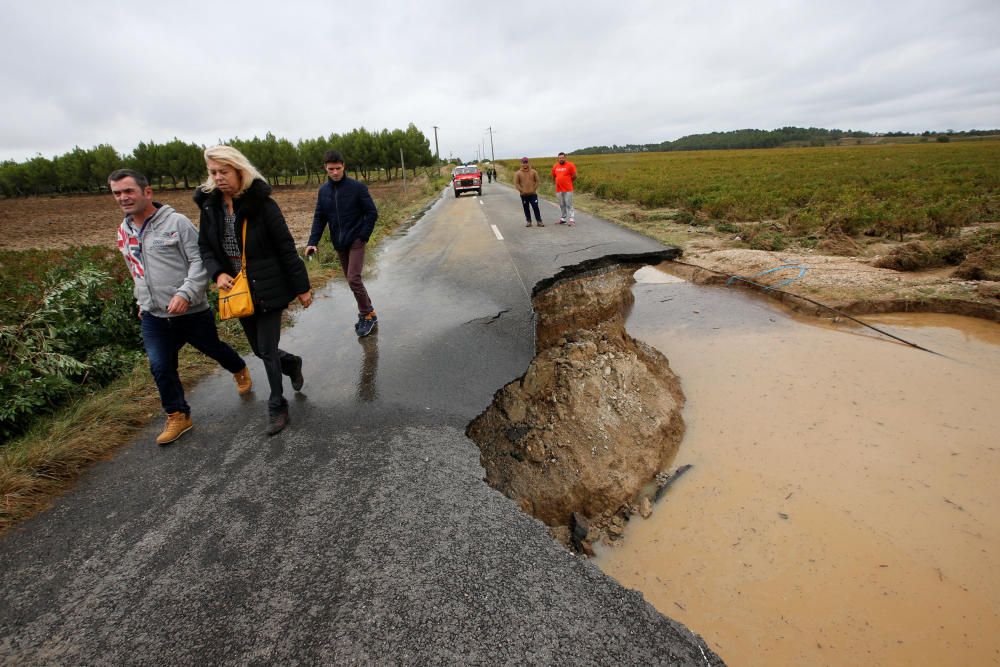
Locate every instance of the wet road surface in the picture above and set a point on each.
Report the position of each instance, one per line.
(361, 534)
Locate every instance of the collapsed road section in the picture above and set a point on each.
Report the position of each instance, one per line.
(578, 440)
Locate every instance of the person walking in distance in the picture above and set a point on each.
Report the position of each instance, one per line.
(564, 173)
(160, 247)
(240, 220)
(347, 208)
(526, 182)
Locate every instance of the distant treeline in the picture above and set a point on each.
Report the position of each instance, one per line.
(785, 136)
(368, 154)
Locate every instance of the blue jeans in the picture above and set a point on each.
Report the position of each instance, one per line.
(163, 338)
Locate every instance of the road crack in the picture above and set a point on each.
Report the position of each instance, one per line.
(489, 319)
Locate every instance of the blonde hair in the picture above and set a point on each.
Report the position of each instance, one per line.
(231, 157)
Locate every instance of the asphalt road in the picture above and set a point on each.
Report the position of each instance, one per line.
(363, 534)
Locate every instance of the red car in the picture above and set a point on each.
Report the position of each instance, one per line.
(467, 178)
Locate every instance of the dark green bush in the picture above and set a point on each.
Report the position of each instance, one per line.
(771, 240)
(82, 332)
(684, 218)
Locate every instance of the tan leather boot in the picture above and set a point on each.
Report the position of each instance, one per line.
(177, 425)
(243, 382)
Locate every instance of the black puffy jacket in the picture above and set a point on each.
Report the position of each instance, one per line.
(275, 270)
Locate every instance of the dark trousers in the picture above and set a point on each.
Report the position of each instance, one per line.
(263, 330)
(533, 201)
(163, 338)
(353, 263)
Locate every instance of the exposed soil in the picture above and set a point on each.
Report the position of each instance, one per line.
(580, 437)
(64, 221)
(844, 283)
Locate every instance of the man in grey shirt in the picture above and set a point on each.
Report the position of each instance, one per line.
(160, 247)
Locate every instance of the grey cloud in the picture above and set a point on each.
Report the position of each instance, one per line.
(545, 76)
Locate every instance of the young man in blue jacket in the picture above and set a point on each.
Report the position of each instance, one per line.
(346, 207)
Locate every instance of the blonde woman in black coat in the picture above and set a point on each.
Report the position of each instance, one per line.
(235, 193)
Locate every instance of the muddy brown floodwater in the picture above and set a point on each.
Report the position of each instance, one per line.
(844, 504)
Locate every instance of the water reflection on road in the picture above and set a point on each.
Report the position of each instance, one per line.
(367, 391)
(843, 505)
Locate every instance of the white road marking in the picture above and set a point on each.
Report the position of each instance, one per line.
(497, 233)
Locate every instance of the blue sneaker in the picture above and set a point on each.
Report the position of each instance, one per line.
(366, 324)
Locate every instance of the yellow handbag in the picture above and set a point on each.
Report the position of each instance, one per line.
(237, 302)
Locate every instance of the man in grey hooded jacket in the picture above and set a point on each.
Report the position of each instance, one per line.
(160, 247)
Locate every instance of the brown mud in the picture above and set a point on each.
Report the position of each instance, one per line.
(842, 505)
(577, 440)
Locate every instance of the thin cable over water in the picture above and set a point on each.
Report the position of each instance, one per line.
(730, 278)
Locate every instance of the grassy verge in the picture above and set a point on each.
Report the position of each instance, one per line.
(54, 452)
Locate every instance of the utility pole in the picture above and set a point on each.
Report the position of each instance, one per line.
(437, 153)
(402, 162)
(493, 154)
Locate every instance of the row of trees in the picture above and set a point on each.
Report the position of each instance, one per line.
(748, 138)
(368, 154)
(814, 136)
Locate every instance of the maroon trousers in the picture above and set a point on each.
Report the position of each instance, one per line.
(353, 262)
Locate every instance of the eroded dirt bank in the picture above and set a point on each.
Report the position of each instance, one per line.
(843, 283)
(578, 439)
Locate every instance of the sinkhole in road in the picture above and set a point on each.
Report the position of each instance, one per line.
(578, 440)
(843, 497)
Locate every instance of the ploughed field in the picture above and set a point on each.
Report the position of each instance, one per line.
(64, 221)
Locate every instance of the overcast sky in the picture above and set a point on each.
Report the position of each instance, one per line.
(545, 76)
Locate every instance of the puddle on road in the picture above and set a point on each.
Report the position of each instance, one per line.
(843, 505)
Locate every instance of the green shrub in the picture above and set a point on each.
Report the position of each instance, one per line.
(771, 240)
(945, 219)
(683, 218)
(81, 332)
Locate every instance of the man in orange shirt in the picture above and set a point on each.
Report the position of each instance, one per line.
(564, 173)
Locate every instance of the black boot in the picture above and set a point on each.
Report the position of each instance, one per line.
(277, 421)
(296, 374)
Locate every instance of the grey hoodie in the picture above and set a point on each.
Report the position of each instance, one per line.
(164, 260)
